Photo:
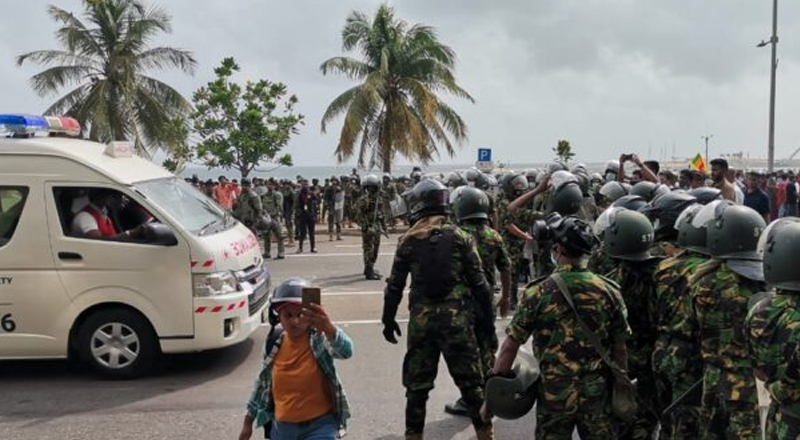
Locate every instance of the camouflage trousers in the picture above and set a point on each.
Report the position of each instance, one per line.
(782, 426)
(487, 347)
(334, 222)
(433, 330)
(275, 228)
(288, 221)
(730, 420)
(646, 420)
(675, 374)
(370, 244)
(565, 403)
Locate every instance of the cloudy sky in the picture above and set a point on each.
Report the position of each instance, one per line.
(646, 76)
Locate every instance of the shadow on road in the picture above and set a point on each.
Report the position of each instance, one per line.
(28, 386)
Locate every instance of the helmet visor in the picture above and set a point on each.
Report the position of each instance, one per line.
(767, 237)
(605, 219)
(561, 178)
(707, 214)
(687, 215)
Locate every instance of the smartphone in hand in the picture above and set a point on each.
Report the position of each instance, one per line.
(312, 295)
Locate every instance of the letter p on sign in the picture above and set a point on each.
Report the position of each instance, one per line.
(484, 154)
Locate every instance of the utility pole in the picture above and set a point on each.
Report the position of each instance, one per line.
(773, 71)
(706, 138)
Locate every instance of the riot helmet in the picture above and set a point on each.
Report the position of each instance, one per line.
(471, 203)
(664, 210)
(733, 232)
(648, 190)
(515, 185)
(611, 171)
(371, 181)
(613, 191)
(455, 179)
(427, 198)
(511, 397)
(632, 202)
(472, 174)
(705, 194)
(574, 234)
(629, 236)
(780, 245)
(566, 198)
(690, 236)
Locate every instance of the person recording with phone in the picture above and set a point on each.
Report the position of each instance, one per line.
(298, 394)
(647, 173)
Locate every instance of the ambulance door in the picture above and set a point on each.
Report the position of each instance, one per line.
(35, 312)
(153, 278)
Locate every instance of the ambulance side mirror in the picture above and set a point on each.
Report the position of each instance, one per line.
(160, 234)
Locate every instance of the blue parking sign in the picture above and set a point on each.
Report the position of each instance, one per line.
(484, 154)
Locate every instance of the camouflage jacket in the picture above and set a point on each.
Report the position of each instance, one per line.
(369, 211)
(677, 347)
(248, 208)
(544, 314)
(720, 298)
(272, 202)
(773, 330)
(638, 288)
(464, 263)
(523, 218)
(491, 248)
(601, 263)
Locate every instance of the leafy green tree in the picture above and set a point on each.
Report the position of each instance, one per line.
(395, 109)
(242, 127)
(564, 151)
(104, 60)
(176, 134)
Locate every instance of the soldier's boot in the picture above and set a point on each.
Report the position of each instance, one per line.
(330, 236)
(413, 436)
(485, 433)
(457, 408)
(371, 274)
(267, 247)
(280, 248)
(299, 248)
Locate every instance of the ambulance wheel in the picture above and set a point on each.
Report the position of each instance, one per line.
(118, 343)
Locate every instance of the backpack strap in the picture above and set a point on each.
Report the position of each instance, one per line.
(591, 336)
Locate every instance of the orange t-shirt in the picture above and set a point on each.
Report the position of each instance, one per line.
(299, 387)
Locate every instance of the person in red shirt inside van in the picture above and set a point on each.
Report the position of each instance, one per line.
(93, 221)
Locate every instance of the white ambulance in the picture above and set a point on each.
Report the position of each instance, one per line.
(110, 258)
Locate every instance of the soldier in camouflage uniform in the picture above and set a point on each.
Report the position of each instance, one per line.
(446, 280)
(773, 329)
(676, 357)
(369, 215)
(272, 201)
(248, 208)
(722, 288)
(575, 383)
(289, 195)
(628, 239)
(389, 190)
(471, 210)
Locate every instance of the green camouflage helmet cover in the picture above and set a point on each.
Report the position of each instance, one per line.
(780, 245)
(629, 236)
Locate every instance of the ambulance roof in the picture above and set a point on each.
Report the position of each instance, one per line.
(123, 170)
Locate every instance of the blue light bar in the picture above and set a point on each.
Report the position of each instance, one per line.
(22, 125)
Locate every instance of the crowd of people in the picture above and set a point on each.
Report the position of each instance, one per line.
(654, 300)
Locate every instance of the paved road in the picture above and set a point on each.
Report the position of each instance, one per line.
(202, 396)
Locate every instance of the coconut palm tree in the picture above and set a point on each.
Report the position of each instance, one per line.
(105, 60)
(395, 108)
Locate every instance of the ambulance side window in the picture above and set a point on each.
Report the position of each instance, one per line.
(98, 213)
(12, 201)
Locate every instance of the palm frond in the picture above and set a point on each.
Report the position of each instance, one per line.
(346, 66)
(54, 78)
(339, 106)
(167, 57)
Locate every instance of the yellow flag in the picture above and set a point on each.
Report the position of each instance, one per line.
(699, 164)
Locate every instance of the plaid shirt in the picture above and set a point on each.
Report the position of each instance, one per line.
(262, 408)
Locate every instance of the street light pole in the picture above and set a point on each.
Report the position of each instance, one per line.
(706, 138)
(774, 67)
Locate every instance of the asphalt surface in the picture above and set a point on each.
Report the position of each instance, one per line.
(203, 395)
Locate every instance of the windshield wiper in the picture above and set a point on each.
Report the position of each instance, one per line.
(206, 227)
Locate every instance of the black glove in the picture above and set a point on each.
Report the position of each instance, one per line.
(390, 329)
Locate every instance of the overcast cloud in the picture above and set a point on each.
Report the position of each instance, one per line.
(609, 75)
